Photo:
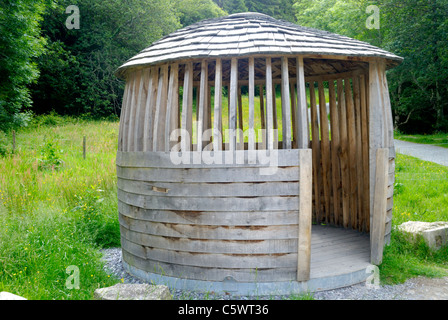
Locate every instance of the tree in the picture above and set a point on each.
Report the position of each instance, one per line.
(191, 11)
(20, 44)
(234, 6)
(279, 9)
(78, 68)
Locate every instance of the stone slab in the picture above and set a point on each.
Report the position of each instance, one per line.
(133, 292)
(9, 296)
(435, 234)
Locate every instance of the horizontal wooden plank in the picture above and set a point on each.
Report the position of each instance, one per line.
(242, 189)
(210, 231)
(240, 174)
(210, 274)
(209, 159)
(210, 245)
(212, 260)
(236, 218)
(285, 203)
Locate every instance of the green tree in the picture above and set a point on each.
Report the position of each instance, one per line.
(279, 9)
(234, 6)
(78, 69)
(20, 44)
(191, 11)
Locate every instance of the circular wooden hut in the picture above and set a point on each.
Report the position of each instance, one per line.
(255, 155)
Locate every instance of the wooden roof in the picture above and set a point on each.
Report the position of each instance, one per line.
(249, 33)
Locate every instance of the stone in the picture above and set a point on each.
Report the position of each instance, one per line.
(435, 234)
(123, 291)
(9, 296)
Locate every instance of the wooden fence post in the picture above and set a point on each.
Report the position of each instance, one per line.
(305, 215)
(84, 147)
(379, 206)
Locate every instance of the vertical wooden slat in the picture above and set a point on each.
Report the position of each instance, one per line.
(251, 141)
(351, 131)
(263, 118)
(305, 215)
(140, 110)
(345, 174)
(217, 120)
(187, 108)
(150, 109)
(365, 152)
(379, 205)
(303, 130)
(325, 150)
(286, 106)
(158, 143)
(233, 96)
(294, 122)
(240, 121)
(315, 142)
(335, 147)
(202, 105)
(172, 105)
(359, 173)
(269, 106)
(123, 113)
(133, 109)
(274, 116)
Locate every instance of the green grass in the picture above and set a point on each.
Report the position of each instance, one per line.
(438, 139)
(421, 194)
(60, 214)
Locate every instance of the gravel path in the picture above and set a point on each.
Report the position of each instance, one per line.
(413, 289)
(423, 151)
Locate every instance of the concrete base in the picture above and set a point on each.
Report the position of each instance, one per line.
(435, 234)
(253, 288)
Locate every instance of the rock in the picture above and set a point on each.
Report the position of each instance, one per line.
(9, 296)
(435, 234)
(133, 292)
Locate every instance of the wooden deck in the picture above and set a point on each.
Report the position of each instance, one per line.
(338, 251)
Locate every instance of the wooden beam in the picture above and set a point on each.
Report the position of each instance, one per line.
(132, 111)
(263, 117)
(172, 111)
(217, 120)
(150, 109)
(140, 110)
(269, 106)
(187, 108)
(251, 140)
(233, 96)
(158, 143)
(123, 113)
(379, 205)
(305, 215)
(365, 152)
(286, 105)
(240, 144)
(302, 129)
(202, 105)
(316, 153)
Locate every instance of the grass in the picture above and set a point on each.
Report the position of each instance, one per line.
(58, 210)
(420, 194)
(437, 139)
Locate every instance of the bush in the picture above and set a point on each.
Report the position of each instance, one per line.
(4, 144)
(50, 156)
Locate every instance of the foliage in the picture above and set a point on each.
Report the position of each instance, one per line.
(20, 43)
(279, 9)
(50, 153)
(191, 11)
(78, 68)
(413, 29)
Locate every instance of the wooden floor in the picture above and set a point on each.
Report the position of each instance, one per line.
(338, 251)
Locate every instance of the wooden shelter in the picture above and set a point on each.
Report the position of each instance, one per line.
(240, 137)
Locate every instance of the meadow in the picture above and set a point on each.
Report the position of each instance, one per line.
(58, 210)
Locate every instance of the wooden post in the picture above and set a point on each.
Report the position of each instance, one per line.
(133, 114)
(325, 149)
(251, 141)
(172, 105)
(286, 107)
(217, 120)
(159, 120)
(302, 129)
(305, 214)
(187, 107)
(269, 106)
(233, 96)
(202, 104)
(263, 117)
(379, 206)
(84, 147)
(317, 178)
(13, 141)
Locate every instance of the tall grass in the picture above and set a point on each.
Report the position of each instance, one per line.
(58, 214)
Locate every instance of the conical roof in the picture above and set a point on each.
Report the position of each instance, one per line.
(250, 33)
